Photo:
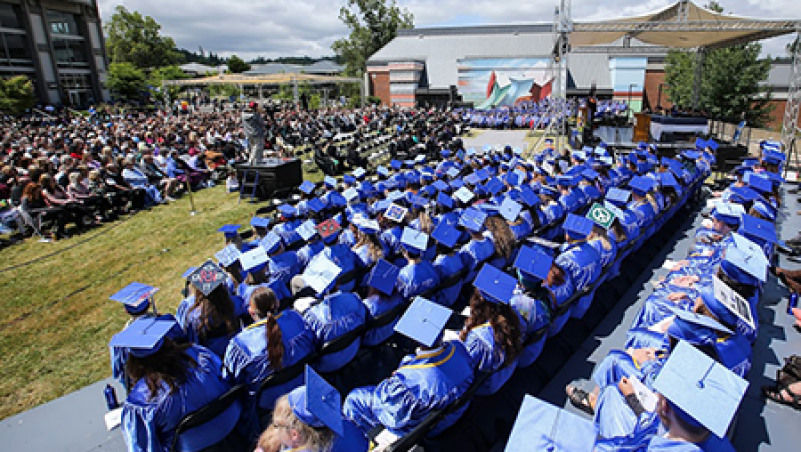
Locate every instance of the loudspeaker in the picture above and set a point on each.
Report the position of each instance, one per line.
(276, 177)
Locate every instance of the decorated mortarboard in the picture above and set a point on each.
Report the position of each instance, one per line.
(307, 230)
(464, 195)
(135, 296)
(510, 209)
(396, 164)
(351, 194)
(495, 185)
(318, 404)
(330, 181)
(316, 205)
(382, 171)
(307, 187)
(748, 257)
(440, 185)
(260, 222)
(759, 228)
(230, 230)
(473, 219)
(703, 390)
(358, 173)
(618, 196)
(541, 426)
(533, 261)
(495, 285)
(328, 227)
(601, 216)
(423, 321)
(641, 185)
(228, 255)
(759, 182)
(207, 277)
(725, 298)
(445, 200)
(287, 211)
(412, 239)
(383, 277)
(143, 338)
(395, 213)
(321, 273)
(253, 258)
(453, 172)
(446, 234)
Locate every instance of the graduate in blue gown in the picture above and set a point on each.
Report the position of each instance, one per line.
(282, 264)
(418, 276)
(431, 379)
(309, 419)
(542, 426)
(170, 381)
(580, 259)
(492, 334)
(531, 301)
(382, 296)
(643, 205)
(479, 248)
(287, 228)
(368, 248)
(274, 341)
(449, 264)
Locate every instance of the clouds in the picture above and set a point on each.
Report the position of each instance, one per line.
(273, 28)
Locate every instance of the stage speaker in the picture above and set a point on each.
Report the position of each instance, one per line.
(276, 177)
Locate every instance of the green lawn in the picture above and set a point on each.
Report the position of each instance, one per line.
(56, 316)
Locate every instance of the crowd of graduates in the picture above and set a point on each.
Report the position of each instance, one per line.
(515, 246)
(530, 114)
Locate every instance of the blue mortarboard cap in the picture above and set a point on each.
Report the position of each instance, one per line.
(473, 219)
(318, 403)
(528, 197)
(700, 144)
(382, 171)
(759, 182)
(472, 179)
(618, 196)
(321, 273)
(418, 201)
(207, 277)
(759, 228)
(445, 153)
(412, 239)
(548, 190)
(533, 261)
(260, 222)
(358, 173)
(230, 230)
(773, 157)
(383, 276)
(464, 195)
(396, 164)
(589, 174)
(750, 161)
(728, 213)
(456, 184)
(765, 209)
(271, 242)
(775, 178)
(348, 179)
(453, 172)
(143, 338)
(316, 205)
(394, 195)
(368, 226)
(641, 185)
(748, 258)
(445, 200)
(423, 321)
(745, 194)
(701, 388)
(565, 180)
(699, 320)
(307, 230)
(395, 213)
(510, 209)
(440, 185)
(446, 234)
(253, 258)
(541, 426)
(577, 227)
(330, 181)
(351, 194)
(482, 174)
(228, 255)
(667, 180)
(495, 185)
(287, 211)
(495, 285)
(135, 296)
(307, 186)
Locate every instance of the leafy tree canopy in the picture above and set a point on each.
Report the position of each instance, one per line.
(16, 94)
(136, 39)
(237, 65)
(127, 81)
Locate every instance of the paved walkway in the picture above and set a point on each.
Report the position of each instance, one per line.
(495, 138)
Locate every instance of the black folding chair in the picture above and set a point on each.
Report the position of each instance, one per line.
(208, 413)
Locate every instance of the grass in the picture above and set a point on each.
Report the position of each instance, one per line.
(56, 316)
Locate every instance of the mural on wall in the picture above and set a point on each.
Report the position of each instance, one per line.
(495, 82)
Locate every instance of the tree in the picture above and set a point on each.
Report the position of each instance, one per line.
(128, 81)
(136, 39)
(166, 73)
(237, 65)
(16, 94)
(372, 24)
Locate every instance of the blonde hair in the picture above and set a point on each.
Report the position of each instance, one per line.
(311, 438)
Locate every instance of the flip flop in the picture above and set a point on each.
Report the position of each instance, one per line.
(580, 399)
(774, 393)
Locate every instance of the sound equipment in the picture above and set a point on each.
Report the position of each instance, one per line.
(276, 177)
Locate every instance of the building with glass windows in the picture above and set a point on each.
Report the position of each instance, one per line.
(59, 45)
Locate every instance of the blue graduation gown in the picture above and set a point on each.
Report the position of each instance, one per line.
(346, 260)
(307, 252)
(428, 381)
(487, 356)
(119, 355)
(288, 232)
(247, 362)
(417, 278)
(189, 319)
(474, 253)
(376, 305)
(559, 296)
(447, 266)
(334, 316)
(535, 315)
(283, 267)
(583, 263)
(149, 423)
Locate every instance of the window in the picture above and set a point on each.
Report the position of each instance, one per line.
(14, 50)
(70, 53)
(9, 17)
(62, 23)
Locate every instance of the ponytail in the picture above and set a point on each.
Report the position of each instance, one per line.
(275, 343)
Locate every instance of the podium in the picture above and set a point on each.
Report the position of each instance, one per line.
(642, 127)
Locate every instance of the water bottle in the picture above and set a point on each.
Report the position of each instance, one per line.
(792, 303)
(111, 397)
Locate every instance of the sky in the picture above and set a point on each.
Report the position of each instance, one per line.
(275, 28)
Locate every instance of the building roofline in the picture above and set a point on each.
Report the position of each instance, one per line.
(476, 29)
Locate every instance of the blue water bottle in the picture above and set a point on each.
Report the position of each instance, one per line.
(792, 303)
(111, 397)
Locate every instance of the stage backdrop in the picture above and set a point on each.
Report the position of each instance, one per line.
(492, 82)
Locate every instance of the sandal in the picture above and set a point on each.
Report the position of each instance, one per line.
(774, 393)
(580, 399)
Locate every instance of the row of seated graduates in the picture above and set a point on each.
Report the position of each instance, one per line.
(690, 308)
(269, 245)
(528, 114)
